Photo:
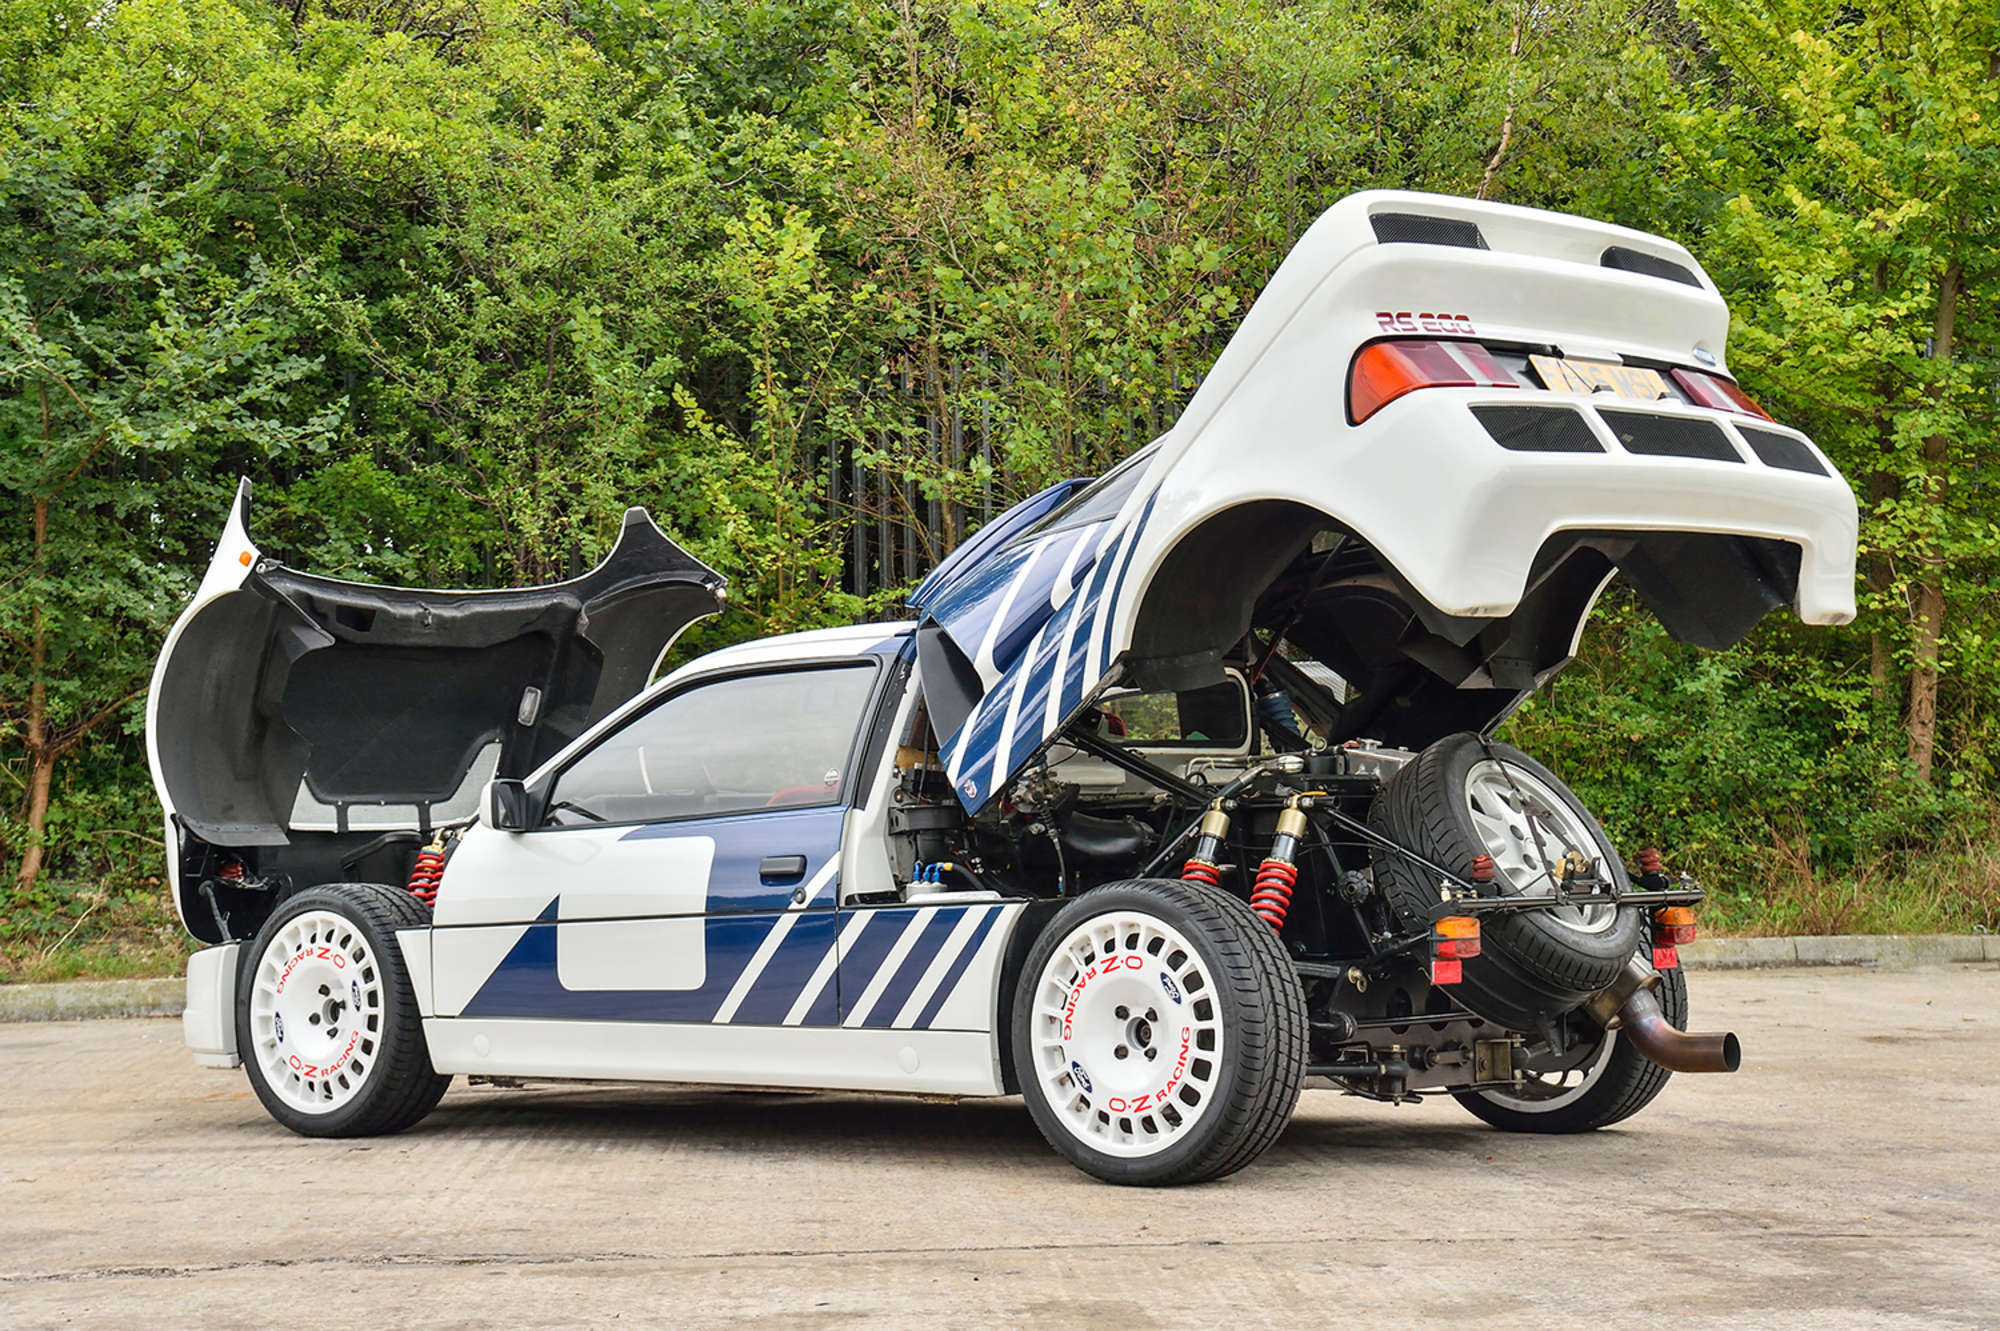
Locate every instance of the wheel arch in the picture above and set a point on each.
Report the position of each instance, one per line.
(1414, 672)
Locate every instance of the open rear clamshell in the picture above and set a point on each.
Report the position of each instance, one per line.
(286, 703)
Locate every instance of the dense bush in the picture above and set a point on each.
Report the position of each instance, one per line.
(826, 284)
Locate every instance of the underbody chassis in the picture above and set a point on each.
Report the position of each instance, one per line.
(1386, 1018)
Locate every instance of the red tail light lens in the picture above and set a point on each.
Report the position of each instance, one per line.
(1717, 393)
(1455, 938)
(1385, 371)
(1673, 925)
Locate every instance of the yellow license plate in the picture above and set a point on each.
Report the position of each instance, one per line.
(1596, 376)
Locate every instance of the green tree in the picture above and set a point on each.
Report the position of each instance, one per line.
(1855, 149)
(132, 369)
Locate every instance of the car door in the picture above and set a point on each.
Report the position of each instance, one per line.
(685, 869)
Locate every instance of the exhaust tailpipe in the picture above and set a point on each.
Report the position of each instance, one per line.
(1630, 1006)
(1647, 1027)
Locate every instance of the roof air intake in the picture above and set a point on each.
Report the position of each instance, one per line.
(1634, 261)
(1421, 229)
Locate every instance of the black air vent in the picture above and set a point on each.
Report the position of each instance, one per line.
(1781, 450)
(1538, 429)
(1634, 261)
(1670, 436)
(1418, 229)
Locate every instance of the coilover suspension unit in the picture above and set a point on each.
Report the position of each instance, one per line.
(1271, 896)
(1204, 865)
(428, 871)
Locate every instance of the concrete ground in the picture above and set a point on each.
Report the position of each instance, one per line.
(1849, 1176)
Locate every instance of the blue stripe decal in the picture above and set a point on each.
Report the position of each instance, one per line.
(911, 972)
(742, 910)
(958, 968)
(772, 996)
(525, 984)
(859, 962)
(1124, 567)
(825, 1010)
(741, 841)
(975, 755)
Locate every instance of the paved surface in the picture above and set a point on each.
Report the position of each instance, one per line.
(76, 1000)
(1848, 1177)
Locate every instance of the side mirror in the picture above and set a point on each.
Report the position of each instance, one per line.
(509, 807)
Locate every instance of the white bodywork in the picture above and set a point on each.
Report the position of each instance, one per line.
(234, 557)
(1461, 519)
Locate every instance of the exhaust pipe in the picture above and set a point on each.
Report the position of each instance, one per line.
(1647, 1027)
(1630, 1006)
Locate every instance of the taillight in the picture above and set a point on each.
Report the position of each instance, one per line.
(1385, 371)
(1717, 393)
(1673, 925)
(1455, 938)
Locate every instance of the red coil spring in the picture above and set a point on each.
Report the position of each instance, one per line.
(1271, 896)
(1201, 871)
(1649, 861)
(424, 876)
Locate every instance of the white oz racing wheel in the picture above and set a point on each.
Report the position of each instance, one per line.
(326, 1022)
(316, 1012)
(1159, 1033)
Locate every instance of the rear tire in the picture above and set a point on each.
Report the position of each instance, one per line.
(1159, 1033)
(1616, 1084)
(326, 1020)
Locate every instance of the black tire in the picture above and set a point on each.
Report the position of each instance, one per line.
(1532, 965)
(395, 1083)
(1627, 1084)
(1256, 1005)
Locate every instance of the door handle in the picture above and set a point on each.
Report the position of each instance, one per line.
(781, 868)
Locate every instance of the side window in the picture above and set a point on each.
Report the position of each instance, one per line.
(772, 741)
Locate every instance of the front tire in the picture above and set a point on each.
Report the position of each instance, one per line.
(1614, 1082)
(1159, 1033)
(326, 1020)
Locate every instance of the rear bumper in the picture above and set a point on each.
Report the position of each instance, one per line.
(1463, 519)
(208, 1023)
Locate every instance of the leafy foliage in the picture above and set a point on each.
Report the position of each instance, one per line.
(825, 284)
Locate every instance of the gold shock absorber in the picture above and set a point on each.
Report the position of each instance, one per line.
(1203, 866)
(1271, 896)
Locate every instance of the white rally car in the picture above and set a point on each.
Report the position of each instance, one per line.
(1177, 791)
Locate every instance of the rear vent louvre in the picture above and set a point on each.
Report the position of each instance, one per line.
(1635, 261)
(1538, 429)
(1781, 450)
(1670, 436)
(1419, 229)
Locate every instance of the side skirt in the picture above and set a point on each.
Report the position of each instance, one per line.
(864, 1059)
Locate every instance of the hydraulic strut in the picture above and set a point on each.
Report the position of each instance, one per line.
(1271, 897)
(426, 873)
(1204, 865)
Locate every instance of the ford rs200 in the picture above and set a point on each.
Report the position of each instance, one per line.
(1178, 790)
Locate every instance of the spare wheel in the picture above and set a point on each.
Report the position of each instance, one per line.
(1467, 796)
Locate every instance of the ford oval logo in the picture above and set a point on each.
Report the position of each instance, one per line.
(1079, 1076)
(1167, 983)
